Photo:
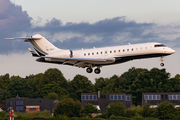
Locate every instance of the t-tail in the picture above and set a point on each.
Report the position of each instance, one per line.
(40, 44)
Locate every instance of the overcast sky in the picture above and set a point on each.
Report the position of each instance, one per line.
(76, 24)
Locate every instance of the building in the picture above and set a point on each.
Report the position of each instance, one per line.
(156, 98)
(30, 104)
(101, 100)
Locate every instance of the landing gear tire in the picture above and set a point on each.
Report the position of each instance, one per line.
(161, 59)
(89, 70)
(162, 64)
(97, 70)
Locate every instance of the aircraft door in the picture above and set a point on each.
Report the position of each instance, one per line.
(105, 52)
(71, 53)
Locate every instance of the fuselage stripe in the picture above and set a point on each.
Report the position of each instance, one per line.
(34, 44)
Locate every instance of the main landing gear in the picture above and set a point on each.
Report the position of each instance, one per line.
(89, 70)
(97, 70)
(161, 59)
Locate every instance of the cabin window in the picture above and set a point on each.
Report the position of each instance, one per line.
(137, 49)
(132, 49)
(146, 48)
(119, 51)
(159, 45)
(92, 53)
(141, 48)
(88, 53)
(110, 51)
(123, 50)
(114, 51)
(127, 49)
(101, 52)
(84, 54)
(97, 53)
(105, 52)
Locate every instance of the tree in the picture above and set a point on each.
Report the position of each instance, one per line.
(166, 111)
(89, 109)
(80, 84)
(52, 95)
(107, 85)
(51, 81)
(99, 84)
(19, 86)
(5, 94)
(55, 75)
(5, 81)
(36, 85)
(127, 78)
(117, 109)
(177, 113)
(55, 88)
(155, 80)
(175, 83)
(130, 76)
(112, 84)
(68, 107)
(147, 111)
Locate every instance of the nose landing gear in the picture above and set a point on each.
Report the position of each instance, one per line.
(161, 59)
(162, 64)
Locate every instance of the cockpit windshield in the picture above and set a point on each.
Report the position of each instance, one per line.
(159, 45)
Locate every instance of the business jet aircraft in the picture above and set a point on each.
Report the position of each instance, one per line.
(96, 57)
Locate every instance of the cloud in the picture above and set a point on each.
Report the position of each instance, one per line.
(116, 31)
(12, 19)
(92, 39)
(106, 32)
(62, 36)
(53, 23)
(101, 33)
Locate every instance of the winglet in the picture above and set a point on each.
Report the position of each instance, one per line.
(34, 54)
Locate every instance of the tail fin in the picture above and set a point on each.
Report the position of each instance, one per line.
(42, 45)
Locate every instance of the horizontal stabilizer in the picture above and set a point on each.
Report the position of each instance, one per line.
(34, 54)
(26, 39)
(39, 43)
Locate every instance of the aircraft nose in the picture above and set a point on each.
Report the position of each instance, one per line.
(173, 51)
(170, 51)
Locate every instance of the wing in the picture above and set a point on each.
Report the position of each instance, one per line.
(81, 62)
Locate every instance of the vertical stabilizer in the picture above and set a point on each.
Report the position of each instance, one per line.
(42, 45)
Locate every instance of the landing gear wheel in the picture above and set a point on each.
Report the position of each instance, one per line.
(89, 70)
(97, 70)
(162, 64)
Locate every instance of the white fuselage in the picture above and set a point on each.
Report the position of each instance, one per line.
(134, 51)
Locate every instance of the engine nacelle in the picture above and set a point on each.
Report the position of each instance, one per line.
(64, 53)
